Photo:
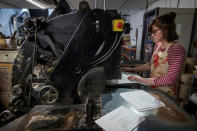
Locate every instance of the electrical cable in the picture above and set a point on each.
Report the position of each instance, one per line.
(178, 2)
(146, 5)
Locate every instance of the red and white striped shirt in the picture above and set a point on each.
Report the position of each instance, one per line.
(176, 57)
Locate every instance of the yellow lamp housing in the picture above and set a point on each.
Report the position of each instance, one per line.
(118, 25)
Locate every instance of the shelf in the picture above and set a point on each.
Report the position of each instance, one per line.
(129, 58)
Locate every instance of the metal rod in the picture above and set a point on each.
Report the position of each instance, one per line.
(6, 92)
(8, 4)
(33, 62)
(104, 5)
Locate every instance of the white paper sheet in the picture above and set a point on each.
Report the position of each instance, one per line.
(123, 80)
(141, 100)
(120, 119)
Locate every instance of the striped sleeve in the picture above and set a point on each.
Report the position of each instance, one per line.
(176, 57)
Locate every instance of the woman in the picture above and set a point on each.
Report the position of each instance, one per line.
(168, 56)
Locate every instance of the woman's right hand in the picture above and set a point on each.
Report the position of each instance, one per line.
(125, 69)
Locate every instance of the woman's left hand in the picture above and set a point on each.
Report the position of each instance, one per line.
(135, 77)
(149, 81)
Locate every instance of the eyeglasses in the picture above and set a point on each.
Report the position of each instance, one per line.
(153, 32)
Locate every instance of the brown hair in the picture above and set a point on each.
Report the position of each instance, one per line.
(166, 23)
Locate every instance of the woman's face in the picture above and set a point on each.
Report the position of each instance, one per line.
(156, 34)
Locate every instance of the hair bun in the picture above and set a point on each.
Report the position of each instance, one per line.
(172, 15)
(168, 18)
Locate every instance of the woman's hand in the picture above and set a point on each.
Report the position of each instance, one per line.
(126, 69)
(136, 78)
(149, 81)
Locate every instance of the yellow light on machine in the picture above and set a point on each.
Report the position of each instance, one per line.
(118, 25)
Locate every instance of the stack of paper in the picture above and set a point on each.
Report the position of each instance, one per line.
(142, 100)
(120, 119)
